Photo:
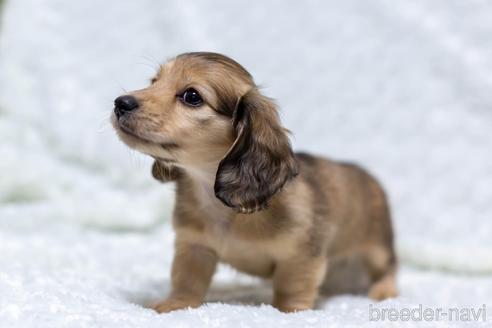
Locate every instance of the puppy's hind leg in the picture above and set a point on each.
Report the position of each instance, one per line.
(381, 266)
(379, 250)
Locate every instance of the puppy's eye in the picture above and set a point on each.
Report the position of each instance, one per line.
(192, 98)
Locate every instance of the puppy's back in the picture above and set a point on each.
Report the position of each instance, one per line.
(346, 195)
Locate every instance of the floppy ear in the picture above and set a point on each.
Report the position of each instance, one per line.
(165, 173)
(260, 160)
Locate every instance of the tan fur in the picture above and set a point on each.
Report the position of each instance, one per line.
(244, 198)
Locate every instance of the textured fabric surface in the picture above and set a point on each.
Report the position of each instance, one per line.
(65, 276)
(400, 87)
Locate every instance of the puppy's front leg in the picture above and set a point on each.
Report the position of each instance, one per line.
(296, 283)
(192, 271)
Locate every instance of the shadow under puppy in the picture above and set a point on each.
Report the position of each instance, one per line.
(243, 197)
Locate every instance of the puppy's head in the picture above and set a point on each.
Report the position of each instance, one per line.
(203, 112)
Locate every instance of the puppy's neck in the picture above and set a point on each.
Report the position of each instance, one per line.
(202, 173)
(202, 180)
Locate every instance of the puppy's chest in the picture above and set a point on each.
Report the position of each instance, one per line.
(237, 244)
(230, 240)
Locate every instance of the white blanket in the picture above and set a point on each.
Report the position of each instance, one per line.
(401, 87)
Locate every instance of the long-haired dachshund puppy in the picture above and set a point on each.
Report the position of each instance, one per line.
(243, 197)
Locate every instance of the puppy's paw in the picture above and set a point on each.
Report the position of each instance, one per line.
(289, 304)
(173, 304)
(288, 308)
(383, 289)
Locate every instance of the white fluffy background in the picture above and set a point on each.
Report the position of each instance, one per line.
(401, 87)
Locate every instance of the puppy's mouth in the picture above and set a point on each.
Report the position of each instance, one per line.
(123, 128)
(129, 131)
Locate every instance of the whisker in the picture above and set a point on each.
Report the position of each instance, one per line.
(148, 65)
(151, 59)
(104, 124)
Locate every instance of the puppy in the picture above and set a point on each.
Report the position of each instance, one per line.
(243, 197)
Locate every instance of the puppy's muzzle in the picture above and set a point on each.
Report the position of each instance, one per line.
(125, 104)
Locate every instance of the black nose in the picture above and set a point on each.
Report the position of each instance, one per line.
(125, 104)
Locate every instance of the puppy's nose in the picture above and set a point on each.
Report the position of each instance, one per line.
(125, 104)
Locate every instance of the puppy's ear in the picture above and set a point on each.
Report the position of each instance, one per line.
(165, 173)
(260, 160)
